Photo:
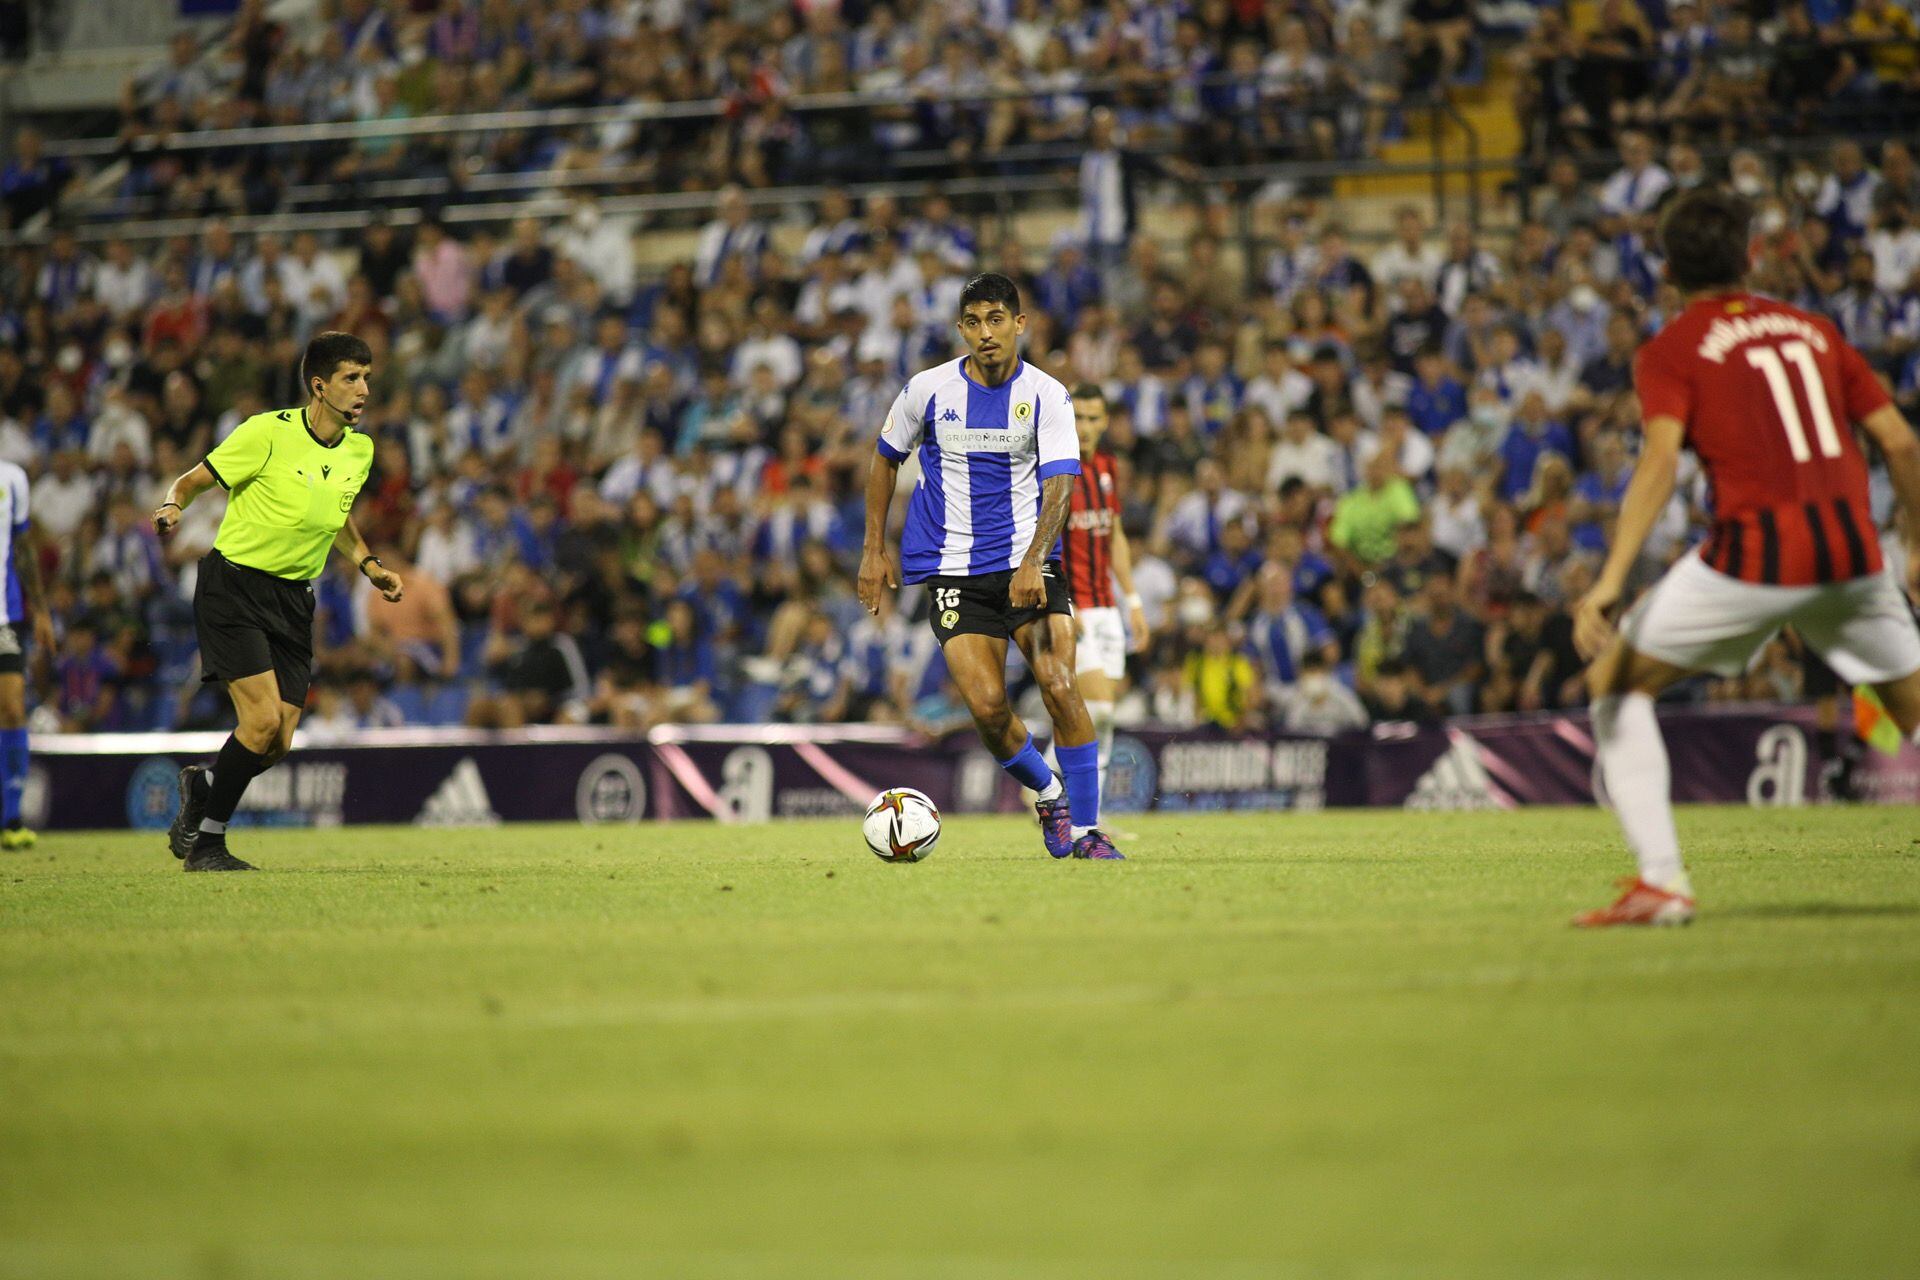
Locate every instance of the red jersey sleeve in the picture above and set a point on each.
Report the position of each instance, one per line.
(1859, 384)
(1664, 389)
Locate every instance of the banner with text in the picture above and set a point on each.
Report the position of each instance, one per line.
(1750, 754)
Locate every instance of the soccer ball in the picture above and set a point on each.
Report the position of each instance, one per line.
(901, 825)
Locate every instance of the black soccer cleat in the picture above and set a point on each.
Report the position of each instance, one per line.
(194, 790)
(212, 855)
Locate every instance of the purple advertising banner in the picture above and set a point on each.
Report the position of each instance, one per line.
(757, 773)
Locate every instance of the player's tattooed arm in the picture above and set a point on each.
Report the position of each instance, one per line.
(877, 571)
(1056, 495)
(26, 563)
(1027, 590)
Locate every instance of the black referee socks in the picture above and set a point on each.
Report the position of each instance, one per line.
(233, 769)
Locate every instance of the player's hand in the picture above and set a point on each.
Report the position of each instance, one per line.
(44, 641)
(1137, 631)
(1592, 628)
(166, 518)
(877, 574)
(385, 581)
(1028, 590)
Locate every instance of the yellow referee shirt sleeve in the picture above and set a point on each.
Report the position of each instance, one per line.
(239, 457)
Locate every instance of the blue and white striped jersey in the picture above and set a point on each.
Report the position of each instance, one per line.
(983, 453)
(13, 523)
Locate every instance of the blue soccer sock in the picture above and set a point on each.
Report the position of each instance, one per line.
(1029, 768)
(13, 774)
(1081, 767)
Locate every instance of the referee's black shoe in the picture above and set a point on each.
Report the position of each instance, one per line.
(209, 853)
(194, 789)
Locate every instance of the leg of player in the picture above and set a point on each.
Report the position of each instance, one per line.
(978, 665)
(1047, 643)
(1633, 763)
(14, 833)
(1902, 700)
(1097, 691)
(260, 739)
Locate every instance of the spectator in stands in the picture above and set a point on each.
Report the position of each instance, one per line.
(1223, 681)
(1446, 648)
(1367, 518)
(537, 672)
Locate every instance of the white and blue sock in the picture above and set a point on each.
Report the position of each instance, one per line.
(1081, 766)
(13, 774)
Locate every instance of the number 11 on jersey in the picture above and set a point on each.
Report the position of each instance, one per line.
(1768, 361)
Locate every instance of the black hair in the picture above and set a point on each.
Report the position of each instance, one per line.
(991, 286)
(327, 352)
(1089, 391)
(1703, 236)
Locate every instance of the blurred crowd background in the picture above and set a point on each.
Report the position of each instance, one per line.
(1370, 461)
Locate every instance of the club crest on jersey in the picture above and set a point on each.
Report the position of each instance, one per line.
(1023, 410)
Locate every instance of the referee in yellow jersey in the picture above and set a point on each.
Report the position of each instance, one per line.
(291, 476)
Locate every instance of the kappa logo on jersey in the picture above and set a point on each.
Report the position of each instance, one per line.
(951, 415)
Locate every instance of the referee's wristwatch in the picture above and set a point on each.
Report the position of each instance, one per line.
(376, 559)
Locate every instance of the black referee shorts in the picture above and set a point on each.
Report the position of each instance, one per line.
(250, 621)
(982, 604)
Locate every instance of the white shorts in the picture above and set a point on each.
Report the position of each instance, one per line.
(1103, 643)
(1699, 618)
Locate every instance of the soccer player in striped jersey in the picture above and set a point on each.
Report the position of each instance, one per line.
(1095, 555)
(19, 595)
(999, 458)
(1765, 394)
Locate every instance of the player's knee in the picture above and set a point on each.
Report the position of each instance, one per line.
(993, 715)
(259, 728)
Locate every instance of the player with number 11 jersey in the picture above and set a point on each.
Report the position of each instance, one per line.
(1767, 395)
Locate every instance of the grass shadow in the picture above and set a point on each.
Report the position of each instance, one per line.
(1822, 910)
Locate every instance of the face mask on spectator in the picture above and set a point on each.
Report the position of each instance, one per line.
(1194, 612)
(1583, 297)
(69, 359)
(1772, 220)
(1491, 416)
(118, 353)
(1806, 183)
(1748, 184)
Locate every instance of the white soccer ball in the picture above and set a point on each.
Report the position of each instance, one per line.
(901, 825)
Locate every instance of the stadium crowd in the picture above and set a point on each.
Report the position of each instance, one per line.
(1364, 483)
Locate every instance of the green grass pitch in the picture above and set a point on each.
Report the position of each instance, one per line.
(1326, 1045)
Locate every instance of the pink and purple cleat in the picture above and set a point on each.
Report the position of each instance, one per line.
(1056, 826)
(1097, 846)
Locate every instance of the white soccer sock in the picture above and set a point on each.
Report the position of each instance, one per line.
(1633, 760)
(1054, 788)
(1101, 713)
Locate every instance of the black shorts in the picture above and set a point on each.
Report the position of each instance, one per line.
(13, 650)
(981, 605)
(251, 622)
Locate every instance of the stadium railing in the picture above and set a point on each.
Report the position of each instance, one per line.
(992, 180)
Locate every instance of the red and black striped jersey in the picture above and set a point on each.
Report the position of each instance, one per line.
(1769, 394)
(1086, 549)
